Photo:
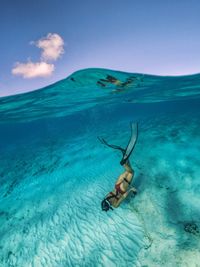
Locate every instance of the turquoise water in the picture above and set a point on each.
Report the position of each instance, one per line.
(54, 172)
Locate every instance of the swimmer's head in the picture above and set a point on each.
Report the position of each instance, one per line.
(105, 205)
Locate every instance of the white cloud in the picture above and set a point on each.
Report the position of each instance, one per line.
(51, 45)
(32, 70)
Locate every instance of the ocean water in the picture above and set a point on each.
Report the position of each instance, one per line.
(54, 172)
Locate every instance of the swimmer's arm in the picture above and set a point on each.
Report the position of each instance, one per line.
(132, 189)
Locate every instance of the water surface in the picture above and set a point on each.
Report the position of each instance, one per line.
(54, 172)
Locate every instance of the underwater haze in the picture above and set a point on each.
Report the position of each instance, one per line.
(54, 172)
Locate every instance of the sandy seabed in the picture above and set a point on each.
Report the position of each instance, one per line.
(51, 190)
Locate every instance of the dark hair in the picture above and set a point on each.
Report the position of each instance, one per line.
(105, 205)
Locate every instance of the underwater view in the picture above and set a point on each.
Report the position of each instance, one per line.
(55, 172)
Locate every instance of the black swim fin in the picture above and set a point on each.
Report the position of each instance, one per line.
(103, 141)
(131, 144)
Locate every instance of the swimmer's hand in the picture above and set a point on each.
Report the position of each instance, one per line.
(133, 190)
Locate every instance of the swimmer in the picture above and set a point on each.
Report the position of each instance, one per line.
(122, 186)
(121, 190)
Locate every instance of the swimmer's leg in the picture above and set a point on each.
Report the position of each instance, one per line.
(128, 168)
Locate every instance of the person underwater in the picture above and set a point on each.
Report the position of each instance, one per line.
(122, 186)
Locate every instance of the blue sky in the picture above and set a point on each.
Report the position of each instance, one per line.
(145, 36)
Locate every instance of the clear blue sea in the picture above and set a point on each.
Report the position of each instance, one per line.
(54, 172)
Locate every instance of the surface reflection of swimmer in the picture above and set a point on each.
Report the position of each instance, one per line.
(115, 81)
(121, 189)
(110, 79)
(101, 84)
(128, 81)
